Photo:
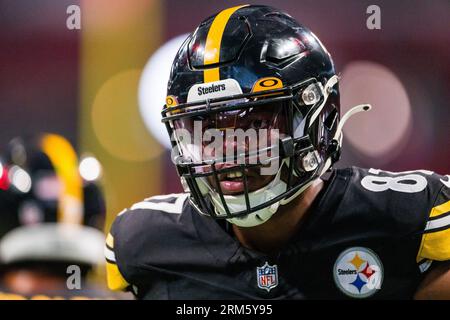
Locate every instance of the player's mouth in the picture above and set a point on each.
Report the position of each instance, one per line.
(232, 182)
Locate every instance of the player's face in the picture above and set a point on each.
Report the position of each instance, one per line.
(256, 124)
(239, 137)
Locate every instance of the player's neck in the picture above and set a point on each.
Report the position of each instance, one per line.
(274, 234)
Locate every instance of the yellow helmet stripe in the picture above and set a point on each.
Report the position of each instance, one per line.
(65, 161)
(213, 41)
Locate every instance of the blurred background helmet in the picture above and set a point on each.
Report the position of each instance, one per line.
(49, 214)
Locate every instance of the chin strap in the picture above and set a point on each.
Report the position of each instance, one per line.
(237, 203)
(295, 195)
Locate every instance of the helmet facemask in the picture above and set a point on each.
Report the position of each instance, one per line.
(220, 146)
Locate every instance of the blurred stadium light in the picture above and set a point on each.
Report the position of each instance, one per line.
(384, 132)
(117, 39)
(90, 169)
(153, 87)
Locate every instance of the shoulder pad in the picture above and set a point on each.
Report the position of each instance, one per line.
(138, 232)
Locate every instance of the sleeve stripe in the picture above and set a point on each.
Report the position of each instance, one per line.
(440, 209)
(114, 278)
(438, 223)
(122, 212)
(435, 243)
(176, 207)
(110, 241)
(112, 249)
(109, 261)
(165, 196)
(440, 216)
(424, 265)
(109, 255)
(435, 246)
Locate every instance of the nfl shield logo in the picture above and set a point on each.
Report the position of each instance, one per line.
(267, 276)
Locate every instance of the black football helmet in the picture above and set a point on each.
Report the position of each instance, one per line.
(252, 67)
(48, 212)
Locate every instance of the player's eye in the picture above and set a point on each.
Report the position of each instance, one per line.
(259, 124)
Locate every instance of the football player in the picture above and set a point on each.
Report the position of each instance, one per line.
(274, 220)
(51, 222)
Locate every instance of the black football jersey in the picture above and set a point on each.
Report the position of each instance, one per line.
(370, 234)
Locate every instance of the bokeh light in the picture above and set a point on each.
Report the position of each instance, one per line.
(153, 88)
(90, 168)
(20, 179)
(103, 16)
(4, 182)
(382, 132)
(116, 120)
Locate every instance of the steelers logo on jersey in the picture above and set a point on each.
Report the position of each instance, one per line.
(358, 272)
